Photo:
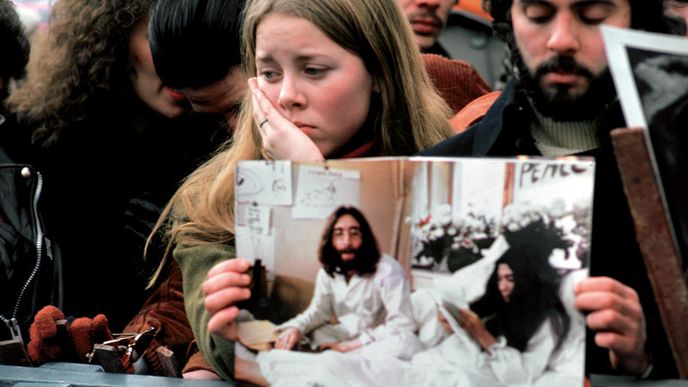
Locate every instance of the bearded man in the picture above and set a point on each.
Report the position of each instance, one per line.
(562, 102)
(361, 296)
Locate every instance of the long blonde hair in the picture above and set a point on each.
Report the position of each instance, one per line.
(411, 117)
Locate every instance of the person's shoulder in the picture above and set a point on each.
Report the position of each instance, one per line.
(458, 145)
(486, 124)
(207, 252)
(388, 266)
(323, 275)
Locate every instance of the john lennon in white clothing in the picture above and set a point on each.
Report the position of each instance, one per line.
(361, 308)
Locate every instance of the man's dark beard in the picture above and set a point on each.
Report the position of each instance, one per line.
(562, 106)
(345, 266)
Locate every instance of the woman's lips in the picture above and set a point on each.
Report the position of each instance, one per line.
(305, 128)
(177, 96)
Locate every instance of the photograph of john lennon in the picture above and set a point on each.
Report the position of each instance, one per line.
(349, 298)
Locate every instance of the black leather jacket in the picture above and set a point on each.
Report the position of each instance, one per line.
(30, 267)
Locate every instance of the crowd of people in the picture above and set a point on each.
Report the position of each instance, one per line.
(121, 131)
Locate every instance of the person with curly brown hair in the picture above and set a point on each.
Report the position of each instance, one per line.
(26, 280)
(112, 144)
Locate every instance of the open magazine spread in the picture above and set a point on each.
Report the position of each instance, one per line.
(651, 75)
(415, 271)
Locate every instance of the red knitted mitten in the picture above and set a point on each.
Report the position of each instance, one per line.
(44, 345)
(86, 332)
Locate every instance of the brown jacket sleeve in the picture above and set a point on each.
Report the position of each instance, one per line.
(164, 310)
(197, 362)
(457, 81)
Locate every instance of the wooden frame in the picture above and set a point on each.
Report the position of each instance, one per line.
(655, 237)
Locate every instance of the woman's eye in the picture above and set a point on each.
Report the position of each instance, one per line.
(269, 74)
(538, 13)
(314, 71)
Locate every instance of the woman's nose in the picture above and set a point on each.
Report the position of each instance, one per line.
(290, 94)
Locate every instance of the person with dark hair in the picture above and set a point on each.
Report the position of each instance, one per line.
(428, 18)
(367, 292)
(15, 47)
(112, 145)
(196, 48)
(361, 309)
(523, 290)
(28, 279)
(520, 320)
(677, 15)
(562, 101)
(91, 92)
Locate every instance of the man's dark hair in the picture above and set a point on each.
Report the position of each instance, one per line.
(367, 256)
(13, 44)
(195, 43)
(647, 15)
(535, 296)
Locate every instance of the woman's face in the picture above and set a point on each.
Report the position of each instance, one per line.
(322, 88)
(505, 281)
(146, 83)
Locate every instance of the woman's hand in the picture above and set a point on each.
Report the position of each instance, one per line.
(288, 339)
(226, 285)
(615, 314)
(281, 138)
(472, 324)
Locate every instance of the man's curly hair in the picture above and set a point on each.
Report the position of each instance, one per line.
(82, 61)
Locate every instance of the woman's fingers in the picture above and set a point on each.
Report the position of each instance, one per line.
(281, 138)
(225, 298)
(226, 285)
(222, 323)
(224, 280)
(237, 265)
